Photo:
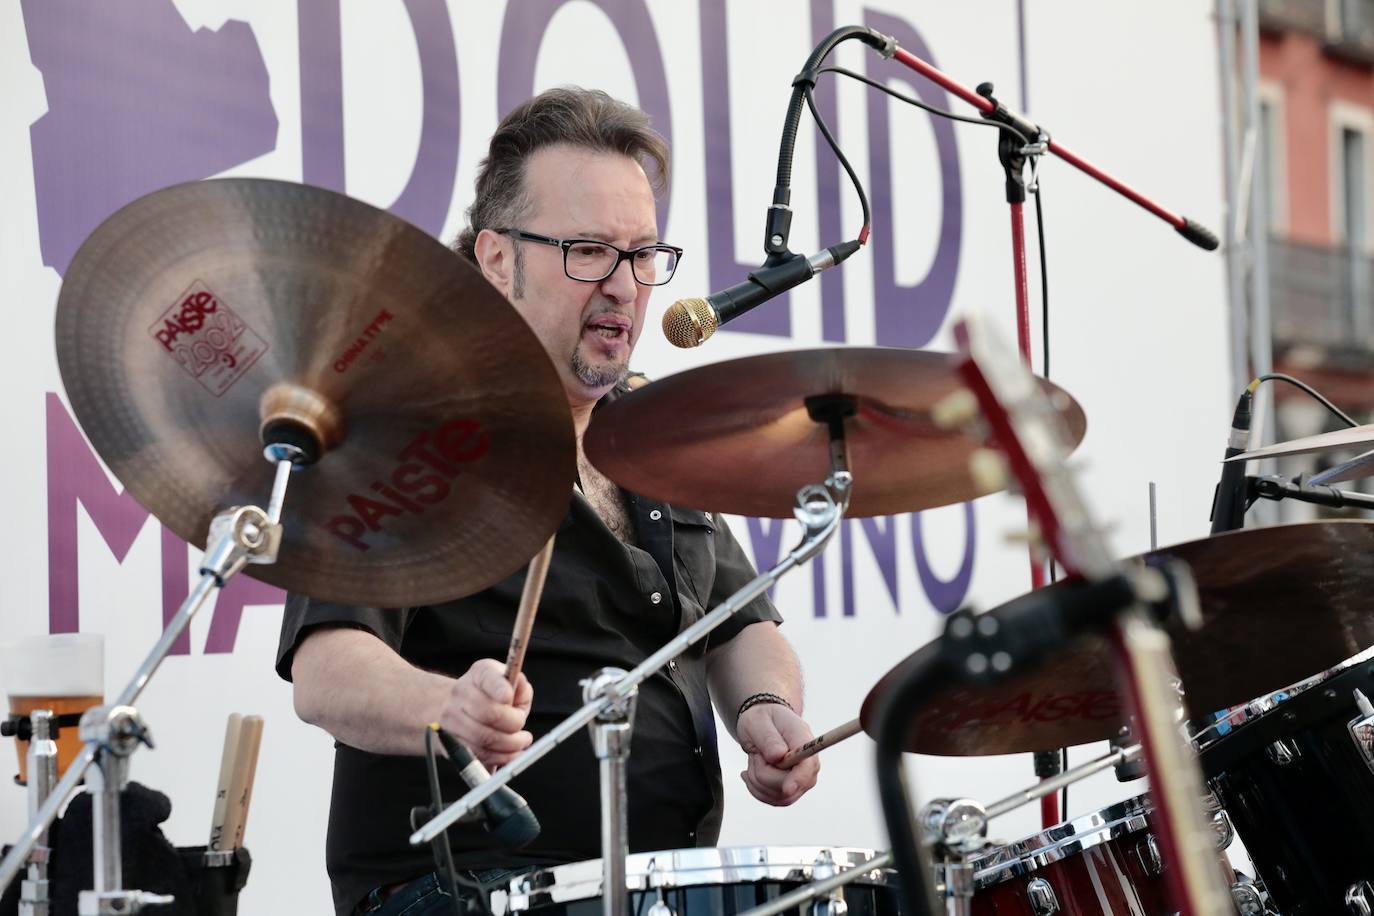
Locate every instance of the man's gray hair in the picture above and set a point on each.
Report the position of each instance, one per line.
(582, 118)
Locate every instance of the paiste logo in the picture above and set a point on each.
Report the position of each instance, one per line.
(419, 479)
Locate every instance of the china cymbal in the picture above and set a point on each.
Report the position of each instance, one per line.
(1278, 605)
(736, 436)
(201, 313)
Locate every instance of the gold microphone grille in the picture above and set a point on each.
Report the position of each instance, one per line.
(688, 322)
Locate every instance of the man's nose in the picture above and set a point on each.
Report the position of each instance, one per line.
(620, 285)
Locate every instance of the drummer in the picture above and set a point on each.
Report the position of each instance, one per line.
(564, 225)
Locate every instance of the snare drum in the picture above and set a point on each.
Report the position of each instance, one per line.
(1296, 775)
(1104, 864)
(706, 882)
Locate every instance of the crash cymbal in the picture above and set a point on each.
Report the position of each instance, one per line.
(736, 436)
(197, 315)
(1278, 605)
(1353, 437)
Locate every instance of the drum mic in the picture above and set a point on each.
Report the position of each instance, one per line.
(506, 814)
(1228, 503)
(688, 322)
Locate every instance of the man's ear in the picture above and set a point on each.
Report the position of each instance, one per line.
(496, 260)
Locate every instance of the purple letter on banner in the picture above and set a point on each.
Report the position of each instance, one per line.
(725, 270)
(74, 476)
(136, 102)
(425, 199)
(882, 537)
(909, 316)
(523, 32)
(945, 594)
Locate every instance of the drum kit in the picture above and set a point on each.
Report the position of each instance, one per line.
(428, 452)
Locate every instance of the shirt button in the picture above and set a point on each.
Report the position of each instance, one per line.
(673, 665)
(655, 515)
(698, 752)
(656, 597)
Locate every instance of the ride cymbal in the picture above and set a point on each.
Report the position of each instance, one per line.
(202, 314)
(736, 436)
(1278, 605)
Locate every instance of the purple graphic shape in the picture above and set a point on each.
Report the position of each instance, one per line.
(945, 594)
(240, 592)
(522, 32)
(424, 201)
(828, 182)
(881, 534)
(765, 541)
(909, 316)
(320, 46)
(136, 102)
(724, 269)
(76, 477)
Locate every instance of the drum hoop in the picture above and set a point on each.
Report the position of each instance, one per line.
(1257, 708)
(1061, 842)
(670, 868)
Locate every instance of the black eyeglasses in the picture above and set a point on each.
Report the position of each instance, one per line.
(592, 261)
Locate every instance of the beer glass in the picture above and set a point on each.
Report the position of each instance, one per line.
(62, 672)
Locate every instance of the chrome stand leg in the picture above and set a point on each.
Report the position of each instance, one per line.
(42, 768)
(611, 741)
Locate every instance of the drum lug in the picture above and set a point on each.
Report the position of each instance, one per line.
(1359, 898)
(1224, 830)
(831, 904)
(1361, 729)
(1147, 850)
(1247, 899)
(1041, 897)
(1281, 752)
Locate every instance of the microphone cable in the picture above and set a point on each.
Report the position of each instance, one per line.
(443, 853)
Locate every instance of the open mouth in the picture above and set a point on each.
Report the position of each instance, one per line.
(609, 327)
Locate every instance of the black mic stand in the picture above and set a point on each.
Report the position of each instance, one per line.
(984, 649)
(1275, 487)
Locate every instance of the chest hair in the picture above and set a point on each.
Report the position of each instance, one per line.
(605, 497)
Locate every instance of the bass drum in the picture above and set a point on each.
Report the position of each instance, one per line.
(708, 882)
(1104, 864)
(1296, 774)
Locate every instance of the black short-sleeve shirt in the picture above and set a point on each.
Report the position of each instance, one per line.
(604, 603)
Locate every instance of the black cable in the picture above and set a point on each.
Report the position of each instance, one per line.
(1044, 279)
(443, 854)
(1281, 377)
(912, 100)
(835, 146)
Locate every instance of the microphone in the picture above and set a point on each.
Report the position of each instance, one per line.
(1228, 502)
(505, 814)
(688, 322)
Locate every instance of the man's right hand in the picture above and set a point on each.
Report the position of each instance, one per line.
(484, 712)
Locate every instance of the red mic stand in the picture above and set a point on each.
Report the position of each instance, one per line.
(1021, 143)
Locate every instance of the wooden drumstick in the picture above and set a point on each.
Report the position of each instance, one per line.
(241, 788)
(226, 776)
(529, 603)
(820, 743)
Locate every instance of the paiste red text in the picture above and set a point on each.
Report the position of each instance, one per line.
(419, 479)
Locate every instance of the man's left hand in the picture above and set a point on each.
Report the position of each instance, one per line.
(767, 731)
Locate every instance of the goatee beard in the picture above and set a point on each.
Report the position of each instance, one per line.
(596, 376)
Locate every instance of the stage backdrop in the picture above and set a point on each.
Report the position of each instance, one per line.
(393, 103)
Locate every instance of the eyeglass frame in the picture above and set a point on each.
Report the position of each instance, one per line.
(621, 253)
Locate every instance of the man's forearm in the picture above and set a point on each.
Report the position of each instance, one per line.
(758, 660)
(351, 684)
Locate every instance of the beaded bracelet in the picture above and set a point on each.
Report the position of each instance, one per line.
(760, 698)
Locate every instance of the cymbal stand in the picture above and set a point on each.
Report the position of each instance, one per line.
(238, 536)
(41, 762)
(820, 509)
